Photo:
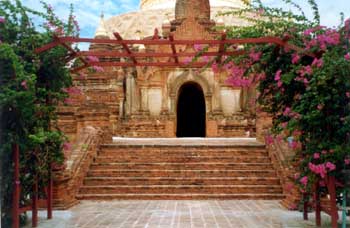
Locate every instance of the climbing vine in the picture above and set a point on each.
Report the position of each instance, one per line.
(305, 87)
(31, 88)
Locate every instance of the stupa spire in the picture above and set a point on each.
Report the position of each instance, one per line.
(101, 31)
(199, 9)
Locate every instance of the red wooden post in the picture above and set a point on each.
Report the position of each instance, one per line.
(35, 203)
(16, 191)
(306, 206)
(333, 196)
(49, 194)
(317, 204)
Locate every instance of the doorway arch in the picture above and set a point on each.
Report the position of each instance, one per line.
(191, 111)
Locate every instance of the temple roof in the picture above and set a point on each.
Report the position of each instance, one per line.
(140, 24)
(164, 4)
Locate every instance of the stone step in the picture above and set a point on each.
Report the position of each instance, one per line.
(100, 181)
(181, 169)
(216, 196)
(183, 159)
(180, 189)
(181, 166)
(181, 173)
(147, 152)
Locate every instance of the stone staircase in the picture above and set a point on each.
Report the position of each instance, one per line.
(181, 169)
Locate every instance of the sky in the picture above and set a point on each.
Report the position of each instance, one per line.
(88, 12)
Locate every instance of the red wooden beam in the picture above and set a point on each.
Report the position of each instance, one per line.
(35, 203)
(333, 200)
(142, 64)
(154, 55)
(221, 48)
(173, 48)
(50, 193)
(125, 43)
(16, 192)
(260, 40)
(125, 46)
(25, 209)
(156, 34)
(47, 47)
(317, 204)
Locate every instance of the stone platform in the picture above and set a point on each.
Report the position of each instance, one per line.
(179, 214)
(187, 141)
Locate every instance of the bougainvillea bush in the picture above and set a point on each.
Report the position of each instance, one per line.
(304, 86)
(31, 87)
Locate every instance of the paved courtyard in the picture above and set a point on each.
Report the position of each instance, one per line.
(178, 214)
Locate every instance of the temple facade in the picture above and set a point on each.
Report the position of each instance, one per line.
(167, 102)
(147, 109)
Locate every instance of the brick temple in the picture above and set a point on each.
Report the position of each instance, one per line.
(162, 132)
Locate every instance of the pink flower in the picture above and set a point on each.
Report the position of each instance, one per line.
(82, 76)
(255, 56)
(295, 58)
(205, 59)
(304, 180)
(284, 124)
(294, 145)
(289, 187)
(316, 155)
(317, 62)
(324, 151)
(98, 69)
(261, 76)
(261, 11)
(347, 56)
(68, 101)
(215, 68)
(24, 84)
(296, 176)
(287, 111)
(330, 166)
(318, 169)
(269, 140)
(72, 90)
(2, 20)
(279, 84)
(347, 161)
(293, 206)
(320, 106)
(307, 70)
(347, 24)
(187, 60)
(278, 75)
(198, 47)
(92, 59)
(347, 94)
(67, 146)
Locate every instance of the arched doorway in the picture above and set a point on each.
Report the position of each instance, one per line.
(191, 111)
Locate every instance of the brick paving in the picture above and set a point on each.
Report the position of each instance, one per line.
(178, 214)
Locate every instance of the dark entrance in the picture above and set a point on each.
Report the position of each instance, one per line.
(191, 111)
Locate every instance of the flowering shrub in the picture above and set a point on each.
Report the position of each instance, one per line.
(31, 87)
(305, 86)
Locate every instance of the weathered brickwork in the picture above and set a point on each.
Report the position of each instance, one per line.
(143, 103)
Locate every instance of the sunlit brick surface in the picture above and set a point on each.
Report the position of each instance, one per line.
(178, 214)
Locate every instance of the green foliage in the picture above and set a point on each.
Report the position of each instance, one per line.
(31, 87)
(307, 90)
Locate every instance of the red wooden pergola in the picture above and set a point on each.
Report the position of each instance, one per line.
(140, 59)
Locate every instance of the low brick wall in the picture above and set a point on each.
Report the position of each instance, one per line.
(68, 181)
(281, 156)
